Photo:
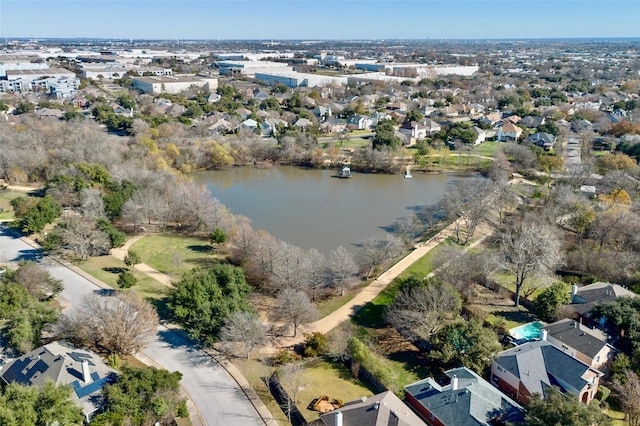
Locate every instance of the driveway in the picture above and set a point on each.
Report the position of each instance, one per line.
(215, 393)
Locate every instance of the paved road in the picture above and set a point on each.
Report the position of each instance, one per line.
(218, 397)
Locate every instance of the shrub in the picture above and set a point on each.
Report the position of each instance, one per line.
(285, 356)
(361, 354)
(315, 344)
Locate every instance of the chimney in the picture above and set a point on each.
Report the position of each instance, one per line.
(338, 418)
(454, 382)
(86, 376)
(574, 291)
(543, 334)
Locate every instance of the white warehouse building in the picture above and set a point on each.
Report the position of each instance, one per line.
(172, 84)
(251, 68)
(296, 79)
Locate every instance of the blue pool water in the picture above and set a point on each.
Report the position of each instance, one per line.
(527, 332)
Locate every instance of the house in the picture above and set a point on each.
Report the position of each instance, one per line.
(248, 124)
(80, 102)
(360, 122)
(468, 400)
(532, 121)
(413, 129)
(508, 132)
(581, 125)
(63, 364)
(481, 135)
(383, 409)
(49, 113)
(431, 126)
(269, 127)
(581, 342)
(322, 112)
(533, 367)
(585, 298)
(302, 123)
(243, 112)
(333, 125)
(221, 126)
(542, 139)
(491, 118)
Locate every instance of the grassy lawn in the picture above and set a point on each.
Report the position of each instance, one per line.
(175, 254)
(331, 379)
(329, 305)
(507, 281)
(6, 211)
(320, 378)
(371, 314)
(107, 268)
(486, 149)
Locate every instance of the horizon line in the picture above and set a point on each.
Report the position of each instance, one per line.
(382, 39)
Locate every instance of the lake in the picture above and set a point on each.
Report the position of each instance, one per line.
(314, 209)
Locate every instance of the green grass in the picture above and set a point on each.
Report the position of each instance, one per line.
(328, 306)
(510, 319)
(175, 254)
(107, 268)
(6, 211)
(507, 280)
(371, 314)
(333, 380)
(486, 149)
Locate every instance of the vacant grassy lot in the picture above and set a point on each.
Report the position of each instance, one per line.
(486, 149)
(320, 378)
(175, 254)
(107, 268)
(6, 211)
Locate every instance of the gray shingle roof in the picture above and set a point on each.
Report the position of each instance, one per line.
(576, 336)
(473, 402)
(383, 409)
(539, 364)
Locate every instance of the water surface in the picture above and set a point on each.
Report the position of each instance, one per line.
(313, 208)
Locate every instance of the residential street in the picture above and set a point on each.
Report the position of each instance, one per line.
(218, 397)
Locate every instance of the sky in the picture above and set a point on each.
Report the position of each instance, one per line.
(315, 19)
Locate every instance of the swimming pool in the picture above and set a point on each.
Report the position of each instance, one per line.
(527, 332)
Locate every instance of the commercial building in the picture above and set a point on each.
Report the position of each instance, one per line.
(32, 74)
(172, 84)
(251, 68)
(295, 79)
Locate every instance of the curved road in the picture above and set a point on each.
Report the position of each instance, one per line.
(218, 397)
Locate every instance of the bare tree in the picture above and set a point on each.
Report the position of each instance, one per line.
(466, 205)
(241, 240)
(83, 238)
(422, 309)
(37, 280)
(528, 247)
(292, 379)
(375, 252)
(628, 394)
(408, 228)
(460, 268)
(120, 325)
(288, 268)
(342, 266)
(91, 204)
(295, 307)
(315, 271)
(244, 328)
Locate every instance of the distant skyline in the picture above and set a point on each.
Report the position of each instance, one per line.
(315, 19)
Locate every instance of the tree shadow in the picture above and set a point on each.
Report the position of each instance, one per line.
(516, 316)
(370, 315)
(200, 248)
(34, 255)
(113, 269)
(162, 307)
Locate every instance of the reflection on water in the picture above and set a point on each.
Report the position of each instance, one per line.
(312, 208)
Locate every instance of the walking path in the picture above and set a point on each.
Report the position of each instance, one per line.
(121, 252)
